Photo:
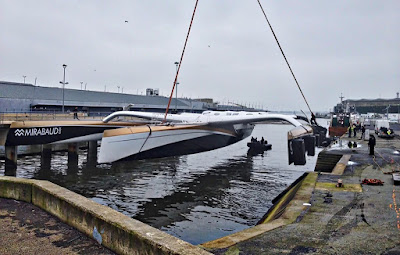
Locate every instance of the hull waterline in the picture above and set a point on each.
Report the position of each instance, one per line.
(165, 141)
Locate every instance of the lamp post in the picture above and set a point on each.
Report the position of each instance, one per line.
(176, 91)
(24, 77)
(63, 83)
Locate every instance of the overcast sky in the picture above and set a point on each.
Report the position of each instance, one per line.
(350, 47)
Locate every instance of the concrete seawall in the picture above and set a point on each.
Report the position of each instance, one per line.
(112, 229)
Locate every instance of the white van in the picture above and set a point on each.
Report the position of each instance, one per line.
(382, 129)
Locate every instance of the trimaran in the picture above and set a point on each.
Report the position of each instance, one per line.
(181, 134)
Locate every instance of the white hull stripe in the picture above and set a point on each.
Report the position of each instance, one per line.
(85, 138)
(168, 135)
(118, 147)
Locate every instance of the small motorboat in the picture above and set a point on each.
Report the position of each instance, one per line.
(259, 146)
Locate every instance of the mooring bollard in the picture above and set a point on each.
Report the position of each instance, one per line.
(297, 151)
(310, 142)
(339, 183)
(317, 140)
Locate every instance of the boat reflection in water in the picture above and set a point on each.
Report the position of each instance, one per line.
(197, 197)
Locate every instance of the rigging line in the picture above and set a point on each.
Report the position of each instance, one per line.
(287, 62)
(146, 138)
(180, 62)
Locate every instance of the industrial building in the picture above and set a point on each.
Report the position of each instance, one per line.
(364, 106)
(21, 97)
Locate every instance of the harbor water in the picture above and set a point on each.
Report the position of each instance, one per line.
(197, 197)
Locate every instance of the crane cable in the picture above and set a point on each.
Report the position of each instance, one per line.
(180, 62)
(287, 62)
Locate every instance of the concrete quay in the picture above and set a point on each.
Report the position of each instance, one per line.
(26, 229)
(108, 227)
(316, 217)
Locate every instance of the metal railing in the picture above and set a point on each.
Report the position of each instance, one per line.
(15, 115)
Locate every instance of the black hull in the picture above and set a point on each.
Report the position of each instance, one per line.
(187, 147)
(50, 134)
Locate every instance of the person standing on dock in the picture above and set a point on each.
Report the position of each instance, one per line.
(362, 132)
(76, 113)
(371, 144)
(354, 130)
(350, 129)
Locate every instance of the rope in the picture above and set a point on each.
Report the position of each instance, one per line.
(180, 62)
(283, 54)
(140, 150)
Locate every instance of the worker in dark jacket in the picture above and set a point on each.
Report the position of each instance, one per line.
(362, 132)
(76, 113)
(313, 119)
(371, 144)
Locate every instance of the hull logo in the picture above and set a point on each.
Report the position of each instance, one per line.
(38, 131)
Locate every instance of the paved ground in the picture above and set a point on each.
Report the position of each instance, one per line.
(366, 221)
(26, 229)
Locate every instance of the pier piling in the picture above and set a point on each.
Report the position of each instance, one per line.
(11, 161)
(72, 156)
(45, 159)
(46, 151)
(92, 153)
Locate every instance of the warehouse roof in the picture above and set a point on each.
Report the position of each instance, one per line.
(28, 91)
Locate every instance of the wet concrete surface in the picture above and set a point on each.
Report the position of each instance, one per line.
(26, 229)
(342, 221)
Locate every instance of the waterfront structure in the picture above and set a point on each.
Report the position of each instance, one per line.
(20, 97)
(378, 105)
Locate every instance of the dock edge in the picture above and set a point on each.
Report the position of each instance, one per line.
(110, 228)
